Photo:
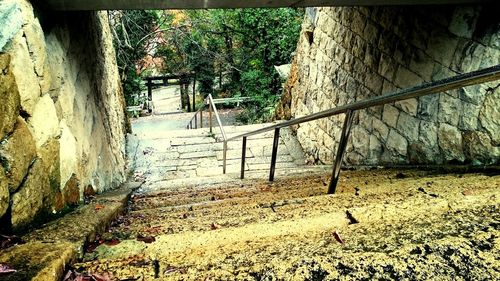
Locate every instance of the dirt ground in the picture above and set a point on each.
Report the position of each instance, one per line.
(381, 224)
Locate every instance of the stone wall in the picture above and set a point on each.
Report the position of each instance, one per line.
(350, 54)
(62, 122)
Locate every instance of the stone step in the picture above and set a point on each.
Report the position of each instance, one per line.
(292, 227)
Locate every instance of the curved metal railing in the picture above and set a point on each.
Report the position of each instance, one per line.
(451, 83)
(209, 101)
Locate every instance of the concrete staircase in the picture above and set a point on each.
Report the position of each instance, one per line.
(188, 221)
(390, 225)
(172, 157)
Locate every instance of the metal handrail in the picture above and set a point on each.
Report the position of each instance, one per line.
(195, 118)
(211, 106)
(451, 83)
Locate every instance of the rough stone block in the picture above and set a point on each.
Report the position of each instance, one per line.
(372, 57)
(472, 94)
(387, 67)
(489, 116)
(371, 32)
(17, 153)
(9, 107)
(349, 60)
(28, 201)
(358, 22)
(440, 72)
(478, 148)
(422, 65)
(70, 192)
(360, 70)
(11, 21)
(449, 109)
(358, 48)
(442, 46)
(390, 115)
(450, 142)
(36, 45)
(375, 149)
(428, 134)
(402, 24)
(419, 35)
(380, 129)
(360, 140)
(428, 107)
(44, 122)
(346, 16)
(469, 116)
(49, 154)
(4, 193)
(464, 20)
(374, 82)
(468, 56)
(409, 106)
(27, 81)
(387, 16)
(387, 42)
(491, 57)
(403, 53)
(397, 143)
(405, 78)
(419, 153)
(388, 87)
(408, 126)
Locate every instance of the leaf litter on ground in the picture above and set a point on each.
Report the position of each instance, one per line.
(73, 275)
(6, 269)
(7, 241)
(146, 239)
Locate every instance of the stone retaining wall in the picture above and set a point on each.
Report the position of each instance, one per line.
(62, 122)
(350, 54)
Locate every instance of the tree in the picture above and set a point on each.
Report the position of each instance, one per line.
(132, 41)
(237, 48)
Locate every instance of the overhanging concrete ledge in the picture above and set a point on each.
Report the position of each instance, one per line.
(73, 5)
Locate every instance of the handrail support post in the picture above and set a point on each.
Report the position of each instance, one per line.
(210, 117)
(224, 157)
(243, 155)
(275, 153)
(340, 151)
(201, 118)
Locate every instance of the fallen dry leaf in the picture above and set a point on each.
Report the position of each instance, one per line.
(337, 237)
(146, 239)
(112, 242)
(73, 275)
(467, 192)
(6, 269)
(9, 241)
(99, 207)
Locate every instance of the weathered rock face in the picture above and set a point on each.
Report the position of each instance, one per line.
(17, 153)
(27, 203)
(353, 53)
(9, 107)
(62, 121)
(4, 194)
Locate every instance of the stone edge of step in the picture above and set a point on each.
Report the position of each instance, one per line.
(57, 244)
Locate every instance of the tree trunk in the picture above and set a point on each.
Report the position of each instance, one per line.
(183, 100)
(194, 92)
(186, 93)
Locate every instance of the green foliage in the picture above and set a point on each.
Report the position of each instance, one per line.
(132, 84)
(233, 52)
(131, 30)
